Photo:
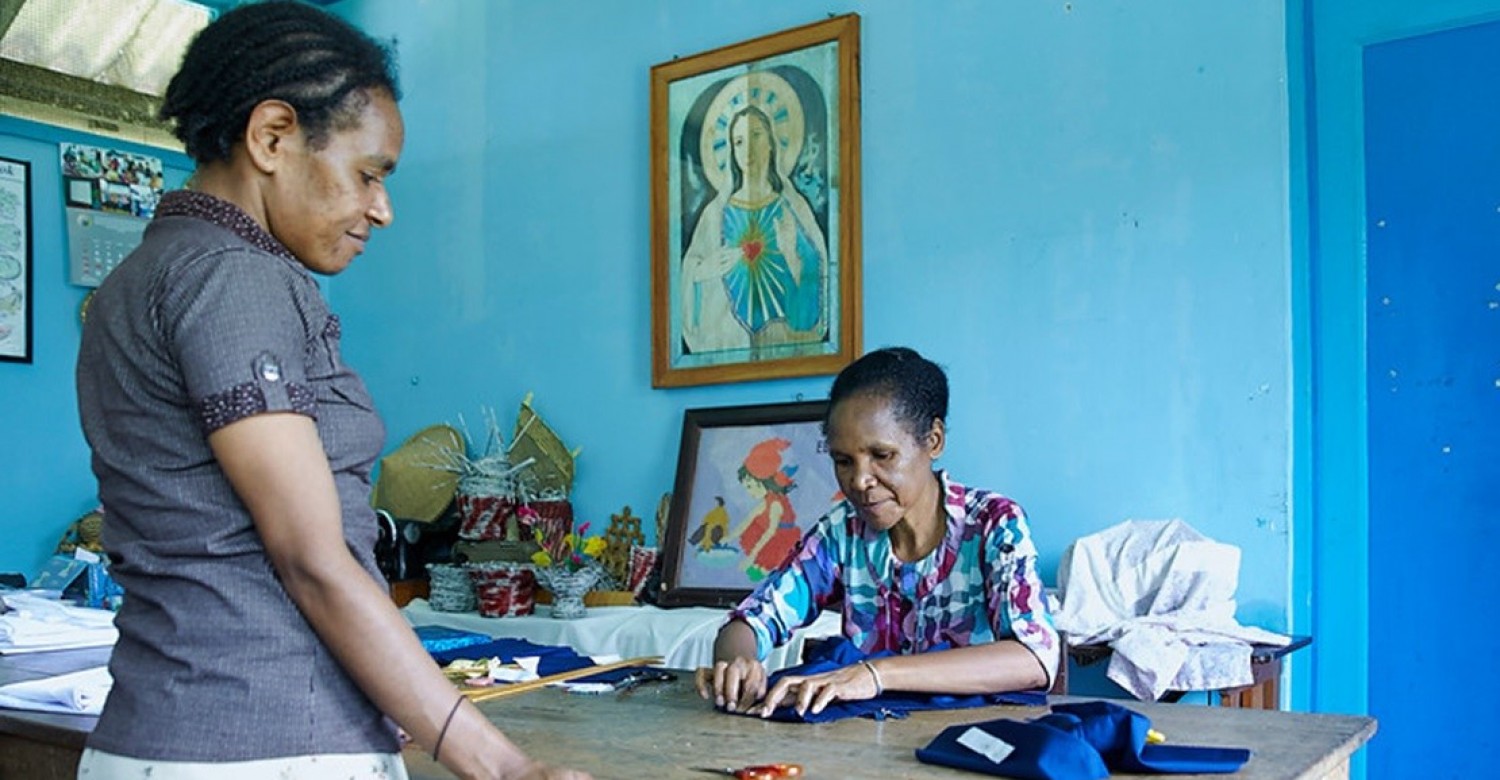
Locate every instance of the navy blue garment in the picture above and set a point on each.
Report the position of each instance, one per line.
(1119, 734)
(838, 653)
(1040, 751)
(1049, 747)
(554, 658)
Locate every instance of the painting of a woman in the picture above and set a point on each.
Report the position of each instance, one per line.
(756, 266)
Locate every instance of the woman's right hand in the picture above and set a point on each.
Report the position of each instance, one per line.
(734, 685)
(711, 264)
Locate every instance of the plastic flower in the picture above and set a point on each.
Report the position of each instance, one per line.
(572, 550)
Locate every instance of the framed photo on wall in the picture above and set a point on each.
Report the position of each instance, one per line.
(15, 261)
(755, 222)
(750, 481)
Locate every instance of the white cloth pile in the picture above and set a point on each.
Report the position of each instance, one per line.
(30, 624)
(1162, 596)
(76, 693)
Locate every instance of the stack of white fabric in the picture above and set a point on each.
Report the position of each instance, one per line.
(1162, 596)
(30, 624)
(77, 693)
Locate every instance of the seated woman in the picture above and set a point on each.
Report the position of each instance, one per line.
(941, 575)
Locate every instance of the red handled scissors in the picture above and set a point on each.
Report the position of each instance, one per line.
(758, 772)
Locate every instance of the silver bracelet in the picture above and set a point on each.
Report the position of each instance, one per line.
(879, 686)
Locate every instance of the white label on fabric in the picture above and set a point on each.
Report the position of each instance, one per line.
(986, 744)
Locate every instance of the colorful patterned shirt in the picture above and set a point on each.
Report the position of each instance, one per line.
(980, 584)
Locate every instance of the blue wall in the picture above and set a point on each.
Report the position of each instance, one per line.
(1433, 324)
(45, 482)
(1337, 575)
(1081, 209)
(1339, 31)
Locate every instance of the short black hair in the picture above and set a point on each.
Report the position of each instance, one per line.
(319, 64)
(916, 387)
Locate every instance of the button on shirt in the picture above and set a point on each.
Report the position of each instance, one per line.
(979, 585)
(210, 321)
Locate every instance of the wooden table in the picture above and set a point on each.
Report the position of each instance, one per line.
(1263, 692)
(662, 730)
(43, 745)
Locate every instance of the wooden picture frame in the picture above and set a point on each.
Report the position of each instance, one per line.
(750, 481)
(15, 261)
(755, 209)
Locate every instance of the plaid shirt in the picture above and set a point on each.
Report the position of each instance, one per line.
(979, 585)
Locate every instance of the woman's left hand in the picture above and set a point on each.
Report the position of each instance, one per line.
(851, 683)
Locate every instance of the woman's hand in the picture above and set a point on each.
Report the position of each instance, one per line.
(712, 264)
(851, 683)
(734, 685)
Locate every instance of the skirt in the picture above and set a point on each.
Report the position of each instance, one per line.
(99, 765)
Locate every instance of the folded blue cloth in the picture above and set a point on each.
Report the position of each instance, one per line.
(838, 653)
(1015, 748)
(1119, 734)
(1087, 740)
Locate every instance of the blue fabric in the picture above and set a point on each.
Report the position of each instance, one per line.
(1058, 745)
(437, 639)
(1042, 752)
(1119, 734)
(838, 653)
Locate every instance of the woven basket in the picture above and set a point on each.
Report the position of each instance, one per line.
(503, 589)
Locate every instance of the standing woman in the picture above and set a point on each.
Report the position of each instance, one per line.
(941, 575)
(233, 446)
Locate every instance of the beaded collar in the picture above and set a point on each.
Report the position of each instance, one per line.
(201, 205)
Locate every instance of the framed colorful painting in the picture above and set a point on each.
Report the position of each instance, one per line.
(755, 226)
(750, 481)
(15, 261)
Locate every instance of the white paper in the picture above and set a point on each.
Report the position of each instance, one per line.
(986, 744)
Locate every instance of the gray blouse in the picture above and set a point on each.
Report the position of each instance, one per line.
(209, 321)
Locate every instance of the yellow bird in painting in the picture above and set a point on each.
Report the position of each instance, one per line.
(714, 528)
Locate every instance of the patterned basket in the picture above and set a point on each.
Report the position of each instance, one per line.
(503, 589)
(485, 516)
(452, 590)
(568, 587)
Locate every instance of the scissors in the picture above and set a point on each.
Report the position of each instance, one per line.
(640, 677)
(758, 772)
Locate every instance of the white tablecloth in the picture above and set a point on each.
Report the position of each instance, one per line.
(684, 636)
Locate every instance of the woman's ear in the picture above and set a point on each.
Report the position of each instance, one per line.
(271, 128)
(937, 438)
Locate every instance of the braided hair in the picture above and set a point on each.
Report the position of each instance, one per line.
(317, 63)
(916, 387)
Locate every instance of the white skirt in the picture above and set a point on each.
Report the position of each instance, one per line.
(98, 765)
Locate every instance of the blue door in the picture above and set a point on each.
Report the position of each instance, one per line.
(1432, 145)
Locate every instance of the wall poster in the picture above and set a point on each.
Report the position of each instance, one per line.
(15, 261)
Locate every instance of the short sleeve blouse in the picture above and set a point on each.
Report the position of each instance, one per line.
(209, 321)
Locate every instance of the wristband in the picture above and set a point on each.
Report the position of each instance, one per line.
(879, 686)
(444, 732)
